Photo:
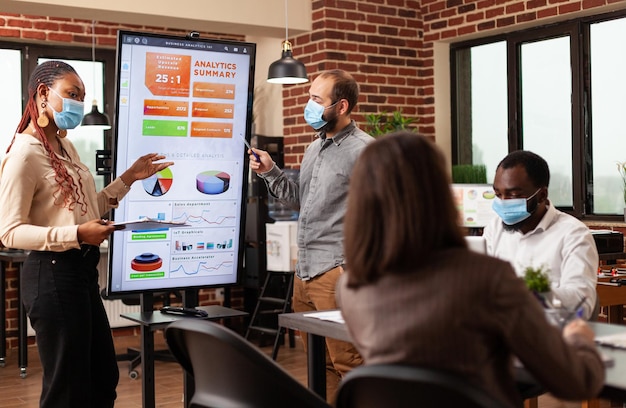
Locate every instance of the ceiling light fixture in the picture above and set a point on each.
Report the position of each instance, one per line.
(287, 70)
(95, 118)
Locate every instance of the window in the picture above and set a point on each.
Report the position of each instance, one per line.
(18, 61)
(483, 89)
(546, 89)
(11, 85)
(608, 144)
(554, 90)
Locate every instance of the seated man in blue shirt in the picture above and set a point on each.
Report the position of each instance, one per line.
(532, 232)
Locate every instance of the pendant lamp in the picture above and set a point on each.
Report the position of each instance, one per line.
(95, 118)
(287, 70)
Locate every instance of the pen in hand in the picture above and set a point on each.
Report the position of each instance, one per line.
(575, 312)
(256, 156)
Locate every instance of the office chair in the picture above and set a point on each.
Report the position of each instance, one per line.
(400, 386)
(228, 371)
(596, 310)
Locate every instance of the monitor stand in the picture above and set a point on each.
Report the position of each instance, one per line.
(190, 299)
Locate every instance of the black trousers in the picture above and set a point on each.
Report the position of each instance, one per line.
(62, 299)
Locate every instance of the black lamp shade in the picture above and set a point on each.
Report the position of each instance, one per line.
(287, 70)
(95, 118)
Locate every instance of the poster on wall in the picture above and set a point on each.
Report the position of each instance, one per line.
(189, 99)
(474, 202)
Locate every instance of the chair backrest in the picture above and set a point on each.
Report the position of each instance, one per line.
(228, 371)
(596, 311)
(398, 386)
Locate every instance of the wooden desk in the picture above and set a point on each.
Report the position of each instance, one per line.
(317, 330)
(151, 321)
(613, 298)
(17, 257)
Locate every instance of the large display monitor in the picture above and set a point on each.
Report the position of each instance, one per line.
(189, 99)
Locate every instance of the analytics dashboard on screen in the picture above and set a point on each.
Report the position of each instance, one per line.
(189, 99)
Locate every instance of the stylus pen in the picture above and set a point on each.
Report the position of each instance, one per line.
(256, 156)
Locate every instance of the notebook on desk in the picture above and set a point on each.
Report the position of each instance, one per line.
(617, 341)
(476, 243)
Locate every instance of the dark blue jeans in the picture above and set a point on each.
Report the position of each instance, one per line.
(61, 296)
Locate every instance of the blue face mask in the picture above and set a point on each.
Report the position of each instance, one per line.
(512, 210)
(71, 115)
(313, 113)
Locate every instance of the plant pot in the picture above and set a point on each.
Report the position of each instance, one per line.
(548, 296)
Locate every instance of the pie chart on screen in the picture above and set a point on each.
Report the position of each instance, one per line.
(212, 182)
(159, 183)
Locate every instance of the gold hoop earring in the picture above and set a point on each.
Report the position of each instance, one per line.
(43, 120)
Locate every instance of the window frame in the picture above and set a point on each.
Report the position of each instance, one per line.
(32, 52)
(578, 31)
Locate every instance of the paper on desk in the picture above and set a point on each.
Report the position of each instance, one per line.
(606, 359)
(329, 315)
(612, 340)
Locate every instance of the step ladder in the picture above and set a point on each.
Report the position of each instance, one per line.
(268, 306)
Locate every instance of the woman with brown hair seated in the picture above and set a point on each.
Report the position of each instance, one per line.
(414, 294)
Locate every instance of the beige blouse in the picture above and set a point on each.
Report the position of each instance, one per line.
(32, 214)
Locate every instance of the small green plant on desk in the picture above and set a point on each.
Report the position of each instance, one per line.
(538, 281)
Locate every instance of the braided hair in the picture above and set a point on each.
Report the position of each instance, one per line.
(48, 73)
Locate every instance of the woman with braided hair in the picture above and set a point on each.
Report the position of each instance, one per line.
(51, 207)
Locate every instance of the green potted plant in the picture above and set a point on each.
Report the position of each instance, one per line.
(469, 174)
(379, 124)
(537, 279)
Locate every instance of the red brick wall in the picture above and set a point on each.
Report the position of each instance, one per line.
(386, 44)
(376, 41)
(388, 47)
(11, 305)
(74, 32)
